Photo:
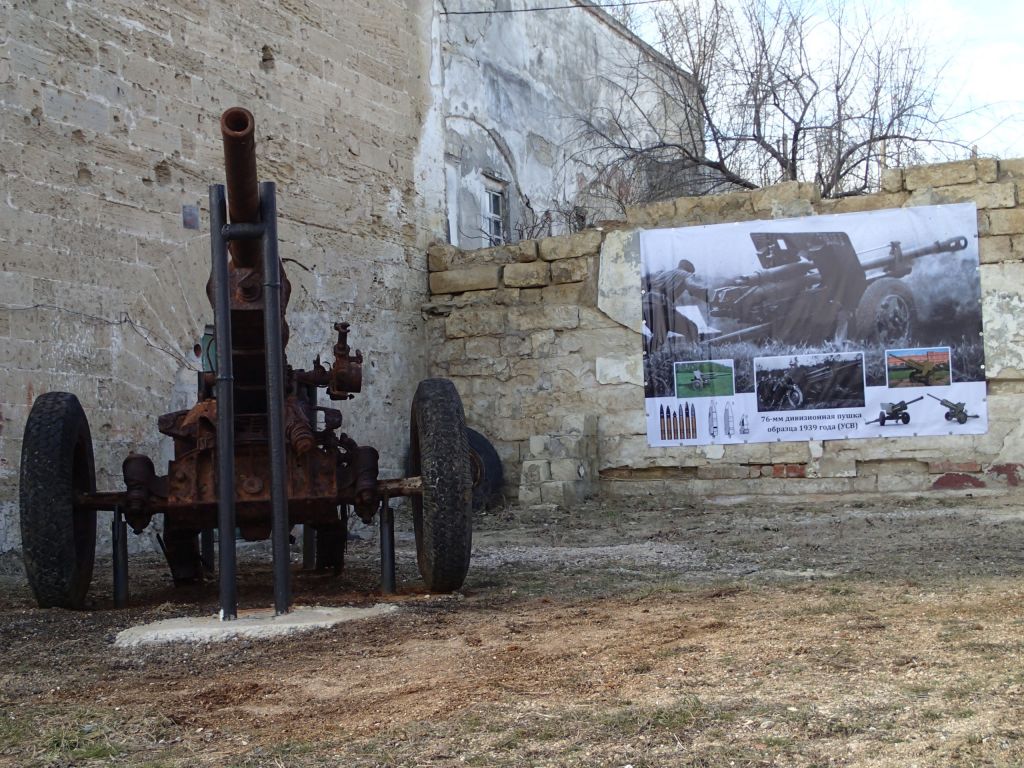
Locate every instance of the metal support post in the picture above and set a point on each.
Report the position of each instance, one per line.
(308, 547)
(275, 397)
(206, 549)
(225, 408)
(387, 547)
(119, 540)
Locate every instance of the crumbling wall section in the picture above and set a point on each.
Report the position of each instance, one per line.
(545, 333)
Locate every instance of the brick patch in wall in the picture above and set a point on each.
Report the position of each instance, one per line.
(648, 473)
(1010, 471)
(955, 481)
(788, 470)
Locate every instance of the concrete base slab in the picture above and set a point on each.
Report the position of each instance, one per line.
(250, 623)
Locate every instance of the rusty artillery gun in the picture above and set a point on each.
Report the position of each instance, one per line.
(813, 286)
(256, 453)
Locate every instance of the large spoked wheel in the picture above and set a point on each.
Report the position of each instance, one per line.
(442, 514)
(886, 312)
(58, 538)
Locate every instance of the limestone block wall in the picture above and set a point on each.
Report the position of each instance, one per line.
(544, 332)
(109, 126)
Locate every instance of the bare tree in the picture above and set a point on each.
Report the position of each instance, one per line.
(765, 91)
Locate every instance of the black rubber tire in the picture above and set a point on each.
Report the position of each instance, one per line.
(905, 417)
(58, 541)
(488, 473)
(881, 419)
(886, 312)
(181, 548)
(442, 515)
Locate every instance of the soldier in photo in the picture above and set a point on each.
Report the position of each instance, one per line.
(665, 291)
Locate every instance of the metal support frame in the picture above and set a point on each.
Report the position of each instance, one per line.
(119, 542)
(387, 547)
(225, 408)
(220, 234)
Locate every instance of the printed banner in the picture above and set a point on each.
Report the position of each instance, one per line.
(820, 328)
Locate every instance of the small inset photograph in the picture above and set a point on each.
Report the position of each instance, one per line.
(918, 367)
(705, 378)
(809, 382)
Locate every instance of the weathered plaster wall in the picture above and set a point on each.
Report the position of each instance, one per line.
(514, 86)
(542, 340)
(109, 125)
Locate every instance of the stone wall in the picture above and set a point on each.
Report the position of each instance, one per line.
(109, 126)
(542, 340)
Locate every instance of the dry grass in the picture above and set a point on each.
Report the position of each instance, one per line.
(908, 655)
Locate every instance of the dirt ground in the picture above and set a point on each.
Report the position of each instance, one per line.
(619, 633)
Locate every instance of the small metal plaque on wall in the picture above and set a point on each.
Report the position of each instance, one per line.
(190, 216)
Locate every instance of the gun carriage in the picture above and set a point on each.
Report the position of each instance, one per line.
(893, 413)
(954, 411)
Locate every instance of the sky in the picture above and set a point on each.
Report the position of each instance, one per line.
(984, 43)
(980, 46)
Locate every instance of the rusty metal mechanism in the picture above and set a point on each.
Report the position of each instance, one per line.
(256, 453)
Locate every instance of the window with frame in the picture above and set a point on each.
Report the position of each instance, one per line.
(495, 212)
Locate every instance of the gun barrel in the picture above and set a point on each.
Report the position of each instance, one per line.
(939, 246)
(951, 245)
(908, 402)
(238, 131)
